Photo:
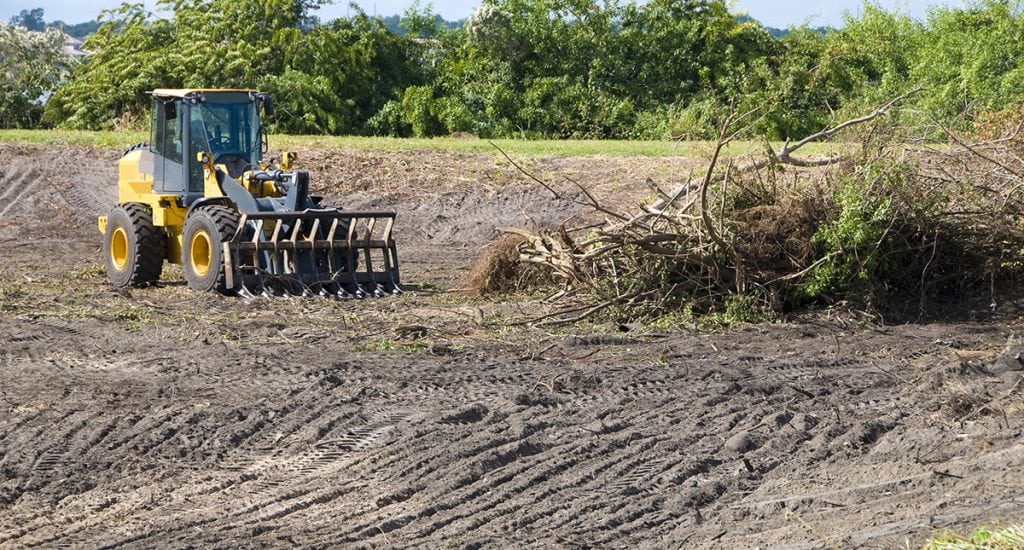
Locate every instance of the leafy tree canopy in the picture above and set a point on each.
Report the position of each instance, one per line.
(548, 68)
(31, 20)
(31, 65)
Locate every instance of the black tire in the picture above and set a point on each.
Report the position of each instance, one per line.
(202, 252)
(133, 248)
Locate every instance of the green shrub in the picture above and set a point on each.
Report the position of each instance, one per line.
(418, 111)
(983, 538)
(853, 244)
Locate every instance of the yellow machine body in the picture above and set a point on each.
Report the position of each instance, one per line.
(202, 195)
(135, 184)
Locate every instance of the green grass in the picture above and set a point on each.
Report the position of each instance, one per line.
(984, 538)
(117, 140)
(529, 148)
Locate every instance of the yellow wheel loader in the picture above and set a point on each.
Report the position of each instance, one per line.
(202, 195)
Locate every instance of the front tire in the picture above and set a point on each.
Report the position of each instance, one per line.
(202, 251)
(133, 248)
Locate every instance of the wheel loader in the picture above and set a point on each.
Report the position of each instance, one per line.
(202, 195)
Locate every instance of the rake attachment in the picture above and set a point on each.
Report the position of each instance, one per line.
(326, 252)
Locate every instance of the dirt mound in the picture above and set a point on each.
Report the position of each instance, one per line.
(55, 191)
(163, 417)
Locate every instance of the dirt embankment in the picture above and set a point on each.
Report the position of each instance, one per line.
(160, 417)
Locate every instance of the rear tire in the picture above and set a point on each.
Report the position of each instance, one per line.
(202, 247)
(133, 248)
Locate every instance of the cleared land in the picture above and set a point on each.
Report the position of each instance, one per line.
(160, 416)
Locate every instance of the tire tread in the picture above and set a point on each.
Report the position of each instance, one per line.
(147, 257)
(149, 254)
(226, 220)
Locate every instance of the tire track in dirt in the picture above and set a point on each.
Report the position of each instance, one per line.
(280, 487)
(488, 505)
(292, 486)
(564, 478)
(90, 200)
(70, 438)
(468, 505)
(511, 482)
(16, 184)
(631, 475)
(620, 474)
(597, 457)
(277, 485)
(422, 470)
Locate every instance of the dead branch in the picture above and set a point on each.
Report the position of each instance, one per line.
(705, 216)
(975, 150)
(590, 202)
(785, 155)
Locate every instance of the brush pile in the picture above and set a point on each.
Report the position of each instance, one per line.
(886, 225)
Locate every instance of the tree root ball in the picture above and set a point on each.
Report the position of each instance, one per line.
(498, 268)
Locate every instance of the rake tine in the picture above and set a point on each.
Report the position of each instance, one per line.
(358, 291)
(273, 289)
(335, 289)
(262, 285)
(244, 292)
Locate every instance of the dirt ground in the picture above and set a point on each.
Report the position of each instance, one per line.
(162, 417)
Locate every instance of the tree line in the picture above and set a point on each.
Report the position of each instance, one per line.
(546, 68)
(33, 20)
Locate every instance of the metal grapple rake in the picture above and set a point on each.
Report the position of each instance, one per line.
(328, 253)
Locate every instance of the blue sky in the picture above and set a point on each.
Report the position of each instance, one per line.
(774, 13)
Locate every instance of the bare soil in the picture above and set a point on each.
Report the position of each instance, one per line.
(162, 417)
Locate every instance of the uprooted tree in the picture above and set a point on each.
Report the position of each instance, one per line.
(884, 224)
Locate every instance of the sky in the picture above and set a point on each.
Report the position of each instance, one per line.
(773, 13)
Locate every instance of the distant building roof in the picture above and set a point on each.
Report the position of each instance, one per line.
(73, 47)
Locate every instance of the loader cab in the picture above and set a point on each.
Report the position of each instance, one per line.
(225, 123)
